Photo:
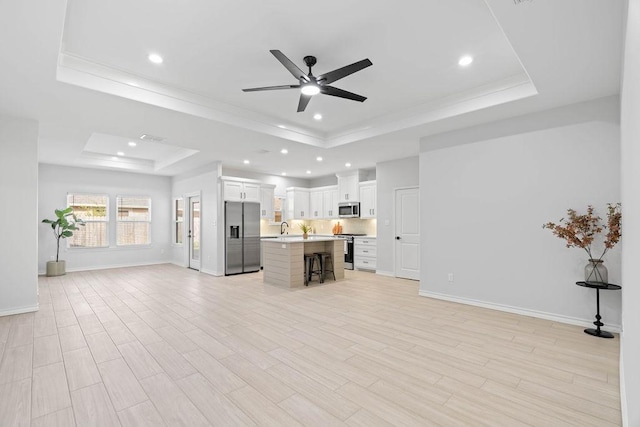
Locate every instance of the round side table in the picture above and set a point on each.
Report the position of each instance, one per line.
(597, 332)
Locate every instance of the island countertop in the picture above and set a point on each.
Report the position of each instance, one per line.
(298, 239)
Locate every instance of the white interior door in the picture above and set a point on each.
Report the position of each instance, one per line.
(194, 233)
(407, 244)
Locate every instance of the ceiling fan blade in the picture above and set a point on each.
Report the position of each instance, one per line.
(334, 91)
(304, 100)
(293, 68)
(256, 89)
(334, 75)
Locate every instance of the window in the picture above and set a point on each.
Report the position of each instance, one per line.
(178, 220)
(93, 209)
(134, 220)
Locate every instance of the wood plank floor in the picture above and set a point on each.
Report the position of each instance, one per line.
(164, 345)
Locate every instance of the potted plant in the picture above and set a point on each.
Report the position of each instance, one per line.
(63, 226)
(305, 230)
(579, 231)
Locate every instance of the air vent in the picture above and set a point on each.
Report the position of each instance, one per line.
(152, 138)
(517, 2)
(262, 151)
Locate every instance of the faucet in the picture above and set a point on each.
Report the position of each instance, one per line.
(282, 226)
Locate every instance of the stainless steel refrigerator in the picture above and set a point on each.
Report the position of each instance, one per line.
(242, 237)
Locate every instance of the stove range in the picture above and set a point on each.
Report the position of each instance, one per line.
(348, 248)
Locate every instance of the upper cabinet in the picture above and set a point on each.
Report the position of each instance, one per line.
(323, 202)
(330, 202)
(348, 188)
(235, 190)
(266, 201)
(316, 209)
(298, 203)
(368, 199)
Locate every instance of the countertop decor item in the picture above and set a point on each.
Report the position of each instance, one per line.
(580, 231)
(63, 226)
(305, 230)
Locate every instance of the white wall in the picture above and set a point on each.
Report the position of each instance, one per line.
(18, 191)
(630, 150)
(390, 176)
(482, 209)
(205, 183)
(56, 181)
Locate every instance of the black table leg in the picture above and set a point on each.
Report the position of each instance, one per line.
(598, 332)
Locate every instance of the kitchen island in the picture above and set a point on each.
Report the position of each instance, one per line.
(284, 258)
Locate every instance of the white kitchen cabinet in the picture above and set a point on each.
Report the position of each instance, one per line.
(368, 199)
(240, 191)
(365, 253)
(298, 203)
(316, 209)
(330, 202)
(348, 188)
(266, 201)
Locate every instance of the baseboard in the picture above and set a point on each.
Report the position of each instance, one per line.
(106, 267)
(211, 272)
(519, 310)
(386, 273)
(624, 409)
(20, 310)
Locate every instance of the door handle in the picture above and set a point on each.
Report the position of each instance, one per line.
(397, 237)
(189, 235)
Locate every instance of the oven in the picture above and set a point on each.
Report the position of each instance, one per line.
(349, 249)
(348, 252)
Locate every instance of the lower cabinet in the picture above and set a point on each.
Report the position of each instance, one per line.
(364, 253)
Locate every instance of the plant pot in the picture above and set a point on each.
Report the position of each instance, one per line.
(56, 268)
(305, 235)
(595, 271)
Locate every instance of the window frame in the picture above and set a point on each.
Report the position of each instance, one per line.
(106, 221)
(177, 221)
(118, 221)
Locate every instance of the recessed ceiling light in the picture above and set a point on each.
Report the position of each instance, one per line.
(132, 144)
(319, 158)
(246, 162)
(120, 153)
(465, 60)
(284, 151)
(282, 126)
(348, 165)
(155, 58)
(114, 158)
(317, 116)
(308, 172)
(283, 174)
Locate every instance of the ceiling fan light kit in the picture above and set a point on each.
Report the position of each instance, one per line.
(311, 85)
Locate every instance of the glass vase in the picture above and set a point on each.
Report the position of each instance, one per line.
(596, 272)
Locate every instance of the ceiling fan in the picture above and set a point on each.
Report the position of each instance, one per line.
(311, 85)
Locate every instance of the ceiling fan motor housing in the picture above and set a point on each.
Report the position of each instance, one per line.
(310, 61)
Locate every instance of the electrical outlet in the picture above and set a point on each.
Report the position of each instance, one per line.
(450, 277)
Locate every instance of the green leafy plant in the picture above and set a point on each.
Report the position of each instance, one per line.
(63, 226)
(306, 229)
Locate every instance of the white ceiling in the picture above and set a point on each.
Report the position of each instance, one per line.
(80, 68)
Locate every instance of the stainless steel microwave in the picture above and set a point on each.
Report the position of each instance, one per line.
(349, 210)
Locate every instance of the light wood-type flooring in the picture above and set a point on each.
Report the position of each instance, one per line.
(164, 345)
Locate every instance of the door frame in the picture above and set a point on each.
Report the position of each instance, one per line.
(187, 253)
(395, 197)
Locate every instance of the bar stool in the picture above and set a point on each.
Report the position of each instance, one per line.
(309, 261)
(325, 258)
